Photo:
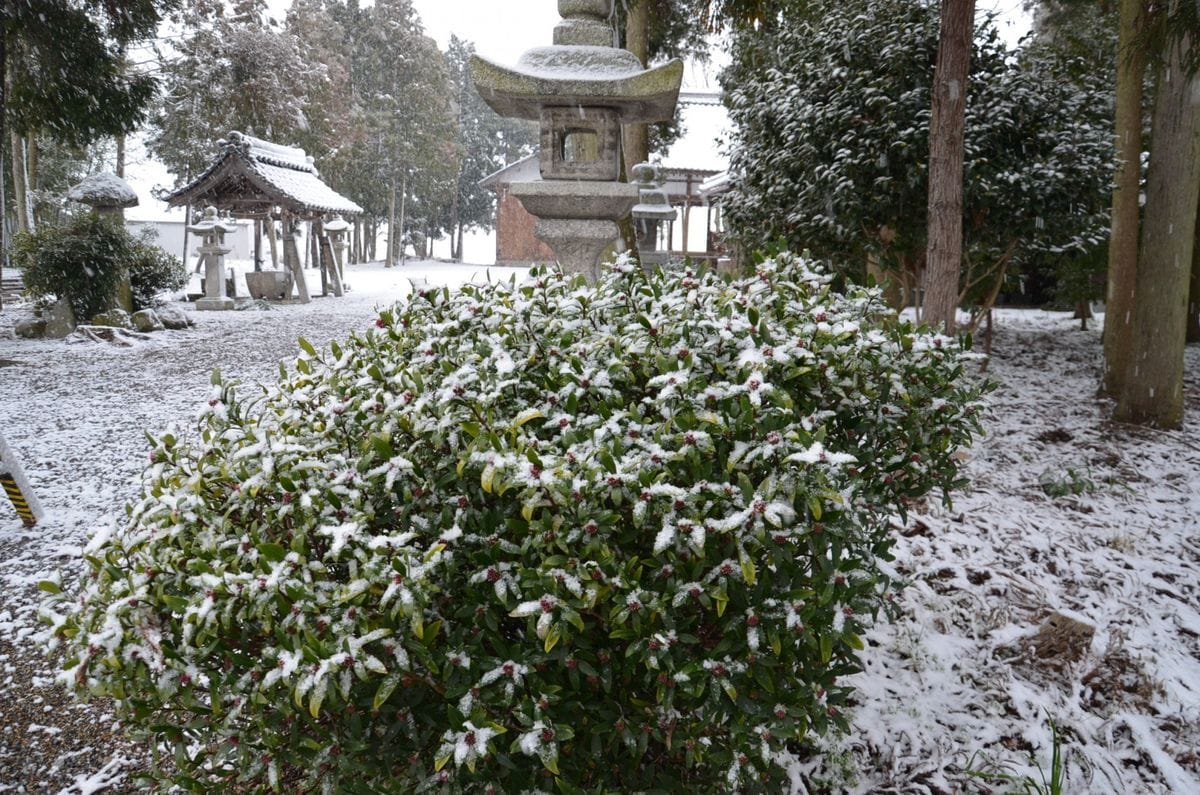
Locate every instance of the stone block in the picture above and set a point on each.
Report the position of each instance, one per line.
(30, 328)
(173, 317)
(60, 320)
(146, 320)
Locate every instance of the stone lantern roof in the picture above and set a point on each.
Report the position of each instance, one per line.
(104, 191)
(581, 69)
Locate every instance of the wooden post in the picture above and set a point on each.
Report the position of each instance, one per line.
(258, 233)
(291, 257)
(329, 265)
(271, 241)
(12, 477)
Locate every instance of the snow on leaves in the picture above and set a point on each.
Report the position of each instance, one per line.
(613, 522)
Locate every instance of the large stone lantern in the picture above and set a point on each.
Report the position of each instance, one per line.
(212, 230)
(581, 90)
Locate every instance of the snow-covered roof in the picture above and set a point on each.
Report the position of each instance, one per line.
(251, 175)
(526, 169)
(104, 190)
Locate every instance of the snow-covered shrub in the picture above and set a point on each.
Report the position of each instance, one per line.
(80, 261)
(536, 537)
(153, 272)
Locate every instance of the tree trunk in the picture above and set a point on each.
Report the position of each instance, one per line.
(1193, 313)
(33, 174)
(20, 194)
(3, 131)
(389, 258)
(637, 41)
(121, 156)
(944, 260)
(1153, 390)
(1123, 243)
(403, 220)
(454, 223)
(459, 256)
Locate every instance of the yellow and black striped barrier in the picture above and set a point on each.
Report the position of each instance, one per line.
(12, 477)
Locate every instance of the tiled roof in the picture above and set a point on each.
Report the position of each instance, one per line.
(277, 174)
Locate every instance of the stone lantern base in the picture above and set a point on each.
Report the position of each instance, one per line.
(577, 219)
(221, 303)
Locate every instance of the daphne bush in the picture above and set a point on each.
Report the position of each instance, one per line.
(545, 537)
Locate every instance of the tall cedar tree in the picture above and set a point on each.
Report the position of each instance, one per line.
(944, 258)
(1126, 209)
(488, 143)
(233, 72)
(1152, 392)
(79, 93)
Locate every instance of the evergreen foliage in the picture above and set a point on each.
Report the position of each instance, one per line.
(832, 140)
(233, 72)
(487, 141)
(65, 68)
(153, 272)
(80, 261)
(548, 536)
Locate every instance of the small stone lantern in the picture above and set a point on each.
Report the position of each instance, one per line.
(336, 228)
(649, 214)
(581, 90)
(212, 229)
(109, 195)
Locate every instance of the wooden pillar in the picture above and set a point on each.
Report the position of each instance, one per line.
(291, 256)
(258, 234)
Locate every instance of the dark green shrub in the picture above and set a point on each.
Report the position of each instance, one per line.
(547, 537)
(80, 261)
(152, 271)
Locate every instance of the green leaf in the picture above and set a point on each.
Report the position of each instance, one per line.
(272, 552)
(441, 761)
(528, 415)
(306, 346)
(314, 705)
(552, 638)
(749, 572)
(383, 446)
(485, 479)
(50, 586)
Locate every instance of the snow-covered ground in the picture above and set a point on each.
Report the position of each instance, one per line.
(1067, 514)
